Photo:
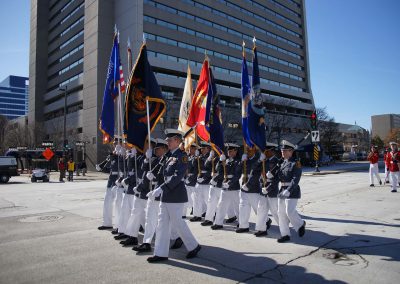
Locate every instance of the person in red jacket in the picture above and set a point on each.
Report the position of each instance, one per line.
(385, 153)
(392, 163)
(373, 158)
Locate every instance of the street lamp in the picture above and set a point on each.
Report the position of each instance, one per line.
(65, 90)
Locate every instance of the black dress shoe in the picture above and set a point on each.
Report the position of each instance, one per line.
(114, 231)
(231, 220)
(283, 239)
(393, 190)
(121, 237)
(269, 223)
(193, 253)
(177, 244)
(131, 241)
(156, 258)
(242, 230)
(183, 217)
(371, 185)
(195, 219)
(302, 229)
(216, 227)
(380, 182)
(206, 223)
(145, 247)
(104, 228)
(260, 233)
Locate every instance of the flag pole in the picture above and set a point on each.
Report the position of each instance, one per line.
(244, 142)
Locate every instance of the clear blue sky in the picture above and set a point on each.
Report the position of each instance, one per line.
(354, 48)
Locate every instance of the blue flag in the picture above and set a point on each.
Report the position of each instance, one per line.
(215, 119)
(110, 93)
(245, 103)
(142, 85)
(256, 111)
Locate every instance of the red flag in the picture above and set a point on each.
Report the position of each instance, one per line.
(197, 114)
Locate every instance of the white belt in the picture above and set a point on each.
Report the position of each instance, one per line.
(140, 180)
(131, 173)
(153, 182)
(285, 183)
(229, 176)
(204, 172)
(114, 173)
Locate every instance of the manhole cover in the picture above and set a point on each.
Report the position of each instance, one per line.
(44, 218)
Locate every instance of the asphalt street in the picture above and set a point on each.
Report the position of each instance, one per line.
(48, 234)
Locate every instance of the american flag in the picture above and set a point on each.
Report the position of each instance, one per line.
(121, 80)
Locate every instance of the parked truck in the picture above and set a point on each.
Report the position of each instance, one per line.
(8, 168)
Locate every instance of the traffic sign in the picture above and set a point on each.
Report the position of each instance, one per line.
(48, 154)
(47, 144)
(315, 136)
(316, 153)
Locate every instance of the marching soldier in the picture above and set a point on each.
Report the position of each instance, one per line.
(214, 193)
(138, 213)
(203, 180)
(251, 189)
(173, 196)
(373, 158)
(128, 183)
(157, 178)
(289, 193)
(392, 163)
(191, 177)
(112, 162)
(270, 188)
(230, 187)
(118, 188)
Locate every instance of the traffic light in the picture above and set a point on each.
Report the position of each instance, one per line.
(313, 119)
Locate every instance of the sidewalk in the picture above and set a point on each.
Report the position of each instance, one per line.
(337, 168)
(90, 176)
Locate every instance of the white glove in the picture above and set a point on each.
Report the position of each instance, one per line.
(213, 182)
(135, 190)
(117, 149)
(269, 175)
(122, 151)
(244, 157)
(133, 152)
(150, 176)
(262, 157)
(98, 168)
(121, 174)
(245, 188)
(200, 180)
(225, 185)
(154, 194)
(285, 194)
(196, 153)
(211, 154)
(149, 153)
(222, 158)
(264, 190)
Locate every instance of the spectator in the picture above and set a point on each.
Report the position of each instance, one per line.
(83, 167)
(71, 168)
(61, 168)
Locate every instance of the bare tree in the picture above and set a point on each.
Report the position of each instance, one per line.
(277, 118)
(3, 125)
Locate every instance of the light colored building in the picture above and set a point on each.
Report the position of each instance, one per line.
(14, 97)
(71, 42)
(383, 124)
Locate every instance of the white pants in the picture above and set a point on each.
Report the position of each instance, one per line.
(189, 204)
(273, 207)
(214, 194)
(395, 179)
(152, 209)
(374, 171)
(288, 214)
(137, 217)
(200, 198)
(171, 216)
(118, 204)
(126, 208)
(108, 207)
(247, 201)
(262, 214)
(228, 201)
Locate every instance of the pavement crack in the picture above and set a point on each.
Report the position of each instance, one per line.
(278, 266)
